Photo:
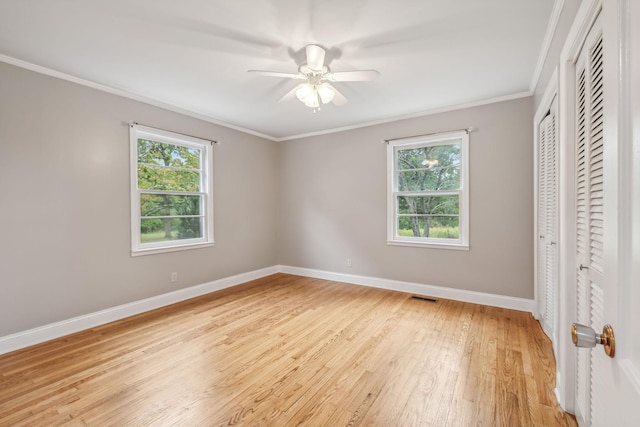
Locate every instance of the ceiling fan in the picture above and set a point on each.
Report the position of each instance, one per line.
(317, 76)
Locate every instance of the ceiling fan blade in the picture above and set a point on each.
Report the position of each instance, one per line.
(291, 94)
(354, 76)
(278, 74)
(315, 57)
(338, 98)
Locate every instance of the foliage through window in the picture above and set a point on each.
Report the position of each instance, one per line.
(428, 190)
(171, 191)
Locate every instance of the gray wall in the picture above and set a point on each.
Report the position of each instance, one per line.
(333, 203)
(568, 14)
(64, 203)
(64, 175)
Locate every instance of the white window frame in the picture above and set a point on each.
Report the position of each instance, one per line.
(393, 146)
(162, 136)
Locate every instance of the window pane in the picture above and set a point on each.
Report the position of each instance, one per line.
(157, 178)
(435, 178)
(435, 227)
(429, 157)
(165, 205)
(165, 229)
(428, 205)
(161, 154)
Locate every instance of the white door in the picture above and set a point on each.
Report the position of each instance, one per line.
(542, 221)
(547, 262)
(590, 145)
(608, 214)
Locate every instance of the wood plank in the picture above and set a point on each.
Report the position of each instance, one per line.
(288, 350)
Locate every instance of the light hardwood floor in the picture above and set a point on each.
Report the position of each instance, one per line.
(286, 350)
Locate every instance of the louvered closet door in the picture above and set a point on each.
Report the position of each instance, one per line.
(541, 215)
(551, 235)
(547, 222)
(607, 212)
(589, 211)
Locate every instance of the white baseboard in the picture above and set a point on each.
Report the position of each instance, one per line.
(58, 329)
(493, 300)
(558, 395)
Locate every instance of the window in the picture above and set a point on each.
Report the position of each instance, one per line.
(171, 201)
(428, 199)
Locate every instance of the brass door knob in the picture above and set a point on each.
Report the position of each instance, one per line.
(584, 336)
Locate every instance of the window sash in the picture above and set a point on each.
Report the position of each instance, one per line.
(427, 193)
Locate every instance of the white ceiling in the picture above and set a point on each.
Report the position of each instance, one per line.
(194, 54)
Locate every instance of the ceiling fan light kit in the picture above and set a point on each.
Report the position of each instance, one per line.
(317, 88)
(313, 92)
(326, 93)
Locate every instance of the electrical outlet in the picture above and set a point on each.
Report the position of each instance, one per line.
(349, 262)
(174, 276)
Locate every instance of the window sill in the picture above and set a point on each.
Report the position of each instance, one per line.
(152, 251)
(429, 245)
